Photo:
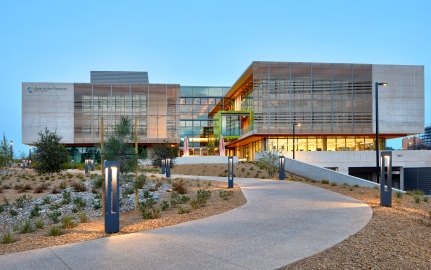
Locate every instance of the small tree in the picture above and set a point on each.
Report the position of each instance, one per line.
(268, 161)
(163, 151)
(5, 152)
(50, 154)
(118, 146)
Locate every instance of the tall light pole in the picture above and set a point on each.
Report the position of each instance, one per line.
(294, 125)
(377, 129)
(11, 151)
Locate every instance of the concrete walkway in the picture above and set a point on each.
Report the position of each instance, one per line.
(282, 222)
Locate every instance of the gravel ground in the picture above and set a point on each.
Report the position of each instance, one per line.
(132, 221)
(397, 237)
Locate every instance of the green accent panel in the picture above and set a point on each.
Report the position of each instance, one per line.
(218, 122)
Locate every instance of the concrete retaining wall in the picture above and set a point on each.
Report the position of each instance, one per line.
(203, 160)
(319, 174)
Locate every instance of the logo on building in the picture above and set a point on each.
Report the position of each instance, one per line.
(30, 89)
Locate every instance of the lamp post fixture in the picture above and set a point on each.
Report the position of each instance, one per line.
(11, 151)
(294, 125)
(377, 129)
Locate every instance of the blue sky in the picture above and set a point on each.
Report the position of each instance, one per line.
(198, 42)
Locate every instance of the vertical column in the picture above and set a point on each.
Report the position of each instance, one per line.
(112, 202)
(386, 178)
(230, 174)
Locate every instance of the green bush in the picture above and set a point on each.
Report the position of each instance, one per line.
(183, 210)
(334, 184)
(79, 202)
(22, 200)
(225, 194)
(148, 210)
(26, 227)
(66, 197)
(83, 217)
(97, 204)
(39, 224)
(55, 231)
(46, 200)
(35, 211)
(184, 199)
(425, 199)
(325, 182)
(175, 199)
(7, 238)
(97, 182)
(140, 181)
(164, 205)
(54, 216)
(399, 194)
(201, 199)
(417, 199)
(13, 213)
(68, 222)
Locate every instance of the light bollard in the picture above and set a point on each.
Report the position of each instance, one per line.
(86, 166)
(168, 167)
(112, 202)
(281, 162)
(162, 166)
(386, 178)
(230, 172)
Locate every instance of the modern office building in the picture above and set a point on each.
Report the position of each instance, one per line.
(331, 107)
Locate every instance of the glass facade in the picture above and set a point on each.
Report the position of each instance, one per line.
(324, 98)
(332, 103)
(154, 106)
(195, 106)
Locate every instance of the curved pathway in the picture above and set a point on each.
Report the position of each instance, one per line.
(281, 222)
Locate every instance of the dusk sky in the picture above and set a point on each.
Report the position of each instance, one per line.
(198, 42)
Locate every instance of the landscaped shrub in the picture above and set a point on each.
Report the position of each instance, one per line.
(40, 188)
(68, 222)
(417, 199)
(164, 205)
(399, 194)
(325, 182)
(225, 194)
(79, 202)
(13, 213)
(55, 190)
(140, 181)
(334, 184)
(97, 204)
(22, 200)
(35, 211)
(183, 210)
(26, 227)
(83, 217)
(46, 200)
(7, 238)
(179, 186)
(425, 199)
(175, 198)
(39, 224)
(97, 183)
(66, 197)
(63, 185)
(148, 210)
(55, 231)
(184, 199)
(54, 216)
(201, 198)
(78, 187)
